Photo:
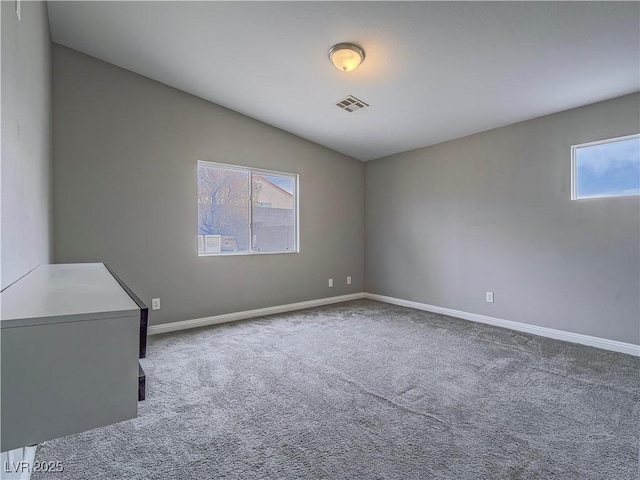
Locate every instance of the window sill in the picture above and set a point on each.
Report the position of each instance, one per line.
(243, 254)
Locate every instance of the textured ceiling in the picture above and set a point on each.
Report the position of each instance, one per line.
(433, 70)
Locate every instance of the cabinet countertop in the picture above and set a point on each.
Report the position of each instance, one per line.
(64, 293)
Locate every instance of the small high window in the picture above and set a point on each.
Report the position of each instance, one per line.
(606, 168)
(244, 210)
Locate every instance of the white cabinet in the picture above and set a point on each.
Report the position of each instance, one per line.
(69, 353)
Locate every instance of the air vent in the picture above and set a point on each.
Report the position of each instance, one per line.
(351, 104)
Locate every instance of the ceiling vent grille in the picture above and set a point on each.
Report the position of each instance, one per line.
(351, 104)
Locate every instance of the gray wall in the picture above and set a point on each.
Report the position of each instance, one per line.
(26, 139)
(125, 156)
(492, 212)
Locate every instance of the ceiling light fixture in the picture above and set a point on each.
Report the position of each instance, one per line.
(346, 56)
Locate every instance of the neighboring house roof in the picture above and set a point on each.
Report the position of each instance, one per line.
(275, 186)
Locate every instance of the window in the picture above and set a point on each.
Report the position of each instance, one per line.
(245, 210)
(607, 168)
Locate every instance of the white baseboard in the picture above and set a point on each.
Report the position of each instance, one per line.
(628, 348)
(260, 312)
(613, 345)
(17, 463)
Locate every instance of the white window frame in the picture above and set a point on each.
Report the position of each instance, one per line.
(259, 171)
(574, 168)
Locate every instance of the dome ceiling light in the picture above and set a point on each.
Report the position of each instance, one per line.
(346, 56)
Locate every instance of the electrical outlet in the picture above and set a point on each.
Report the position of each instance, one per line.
(155, 304)
(331, 282)
(489, 297)
(348, 280)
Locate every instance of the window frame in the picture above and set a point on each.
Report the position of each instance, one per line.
(574, 169)
(250, 171)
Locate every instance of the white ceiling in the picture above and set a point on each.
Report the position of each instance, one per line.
(433, 70)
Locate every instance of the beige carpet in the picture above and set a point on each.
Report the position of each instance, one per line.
(368, 390)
